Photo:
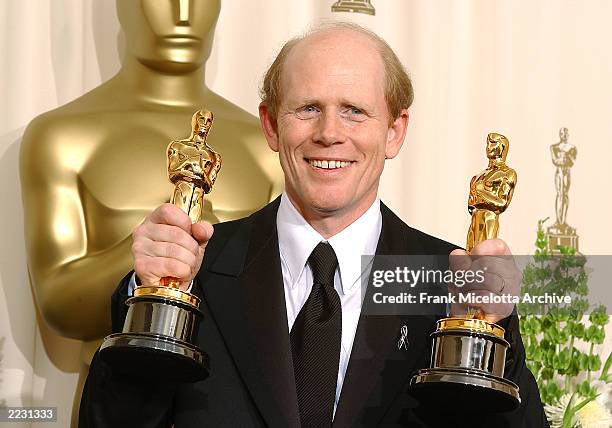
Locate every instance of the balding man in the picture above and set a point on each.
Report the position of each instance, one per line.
(284, 327)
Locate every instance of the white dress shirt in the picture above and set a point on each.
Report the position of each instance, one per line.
(297, 239)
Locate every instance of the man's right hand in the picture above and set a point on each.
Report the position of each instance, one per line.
(168, 244)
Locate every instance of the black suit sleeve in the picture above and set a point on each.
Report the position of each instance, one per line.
(118, 306)
(530, 413)
(113, 400)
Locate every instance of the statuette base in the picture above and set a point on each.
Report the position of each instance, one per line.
(563, 235)
(467, 366)
(157, 340)
(465, 389)
(169, 293)
(354, 6)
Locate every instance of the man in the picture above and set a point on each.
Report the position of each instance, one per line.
(284, 328)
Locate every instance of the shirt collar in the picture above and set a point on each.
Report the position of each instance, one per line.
(297, 239)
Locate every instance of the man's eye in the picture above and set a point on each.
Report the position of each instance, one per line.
(354, 113)
(307, 112)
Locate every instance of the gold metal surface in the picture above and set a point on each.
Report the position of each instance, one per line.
(90, 170)
(470, 324)
(359, 6)
(563, 157)
(193, 168)
(459, 360)
(168, 293)
(490, 192)
(475, 313)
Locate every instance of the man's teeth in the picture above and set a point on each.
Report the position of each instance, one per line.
(332, 164)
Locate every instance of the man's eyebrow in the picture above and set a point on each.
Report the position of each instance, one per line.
(361, 105)
(307, 101)
(302, 102)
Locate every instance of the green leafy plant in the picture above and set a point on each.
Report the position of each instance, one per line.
(551, 333)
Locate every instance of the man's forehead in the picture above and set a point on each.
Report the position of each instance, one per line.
(338, 56)
(337, 40)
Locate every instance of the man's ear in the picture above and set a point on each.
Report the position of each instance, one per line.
(396, 134)
(269, 126)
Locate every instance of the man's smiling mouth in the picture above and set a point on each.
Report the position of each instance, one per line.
(329, 164)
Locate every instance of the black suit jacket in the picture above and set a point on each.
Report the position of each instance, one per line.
(246, 336)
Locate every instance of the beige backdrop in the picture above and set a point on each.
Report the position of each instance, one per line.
(521, 68)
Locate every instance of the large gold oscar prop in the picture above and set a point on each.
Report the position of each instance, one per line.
(469, 353)
(162, 320)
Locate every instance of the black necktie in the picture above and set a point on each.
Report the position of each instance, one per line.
(315, 342)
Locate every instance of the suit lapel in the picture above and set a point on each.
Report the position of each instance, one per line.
(245, 295)
(378, 367)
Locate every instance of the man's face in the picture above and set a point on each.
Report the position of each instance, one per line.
(332, 128)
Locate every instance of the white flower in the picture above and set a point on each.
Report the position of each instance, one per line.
(605, 393)
(594, 414)
(554, 412)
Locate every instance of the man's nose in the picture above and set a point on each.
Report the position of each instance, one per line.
(330, 129)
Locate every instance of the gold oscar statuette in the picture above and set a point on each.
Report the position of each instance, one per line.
(469, 353)
(563, 157)
(162, 320)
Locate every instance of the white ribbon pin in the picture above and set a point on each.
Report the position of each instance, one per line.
(403, 340)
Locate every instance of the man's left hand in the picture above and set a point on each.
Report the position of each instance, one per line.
(493, 259)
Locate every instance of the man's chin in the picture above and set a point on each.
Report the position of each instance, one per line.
(325, 202)
(328, 206)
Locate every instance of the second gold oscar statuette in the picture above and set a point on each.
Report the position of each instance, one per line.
(162, 322)
(469, 353)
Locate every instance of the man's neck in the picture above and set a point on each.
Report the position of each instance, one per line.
(155, 87)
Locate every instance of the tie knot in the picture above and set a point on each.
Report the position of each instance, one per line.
(323, 263)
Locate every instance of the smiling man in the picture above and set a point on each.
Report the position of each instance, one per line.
(332, 124)
(284, 327)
